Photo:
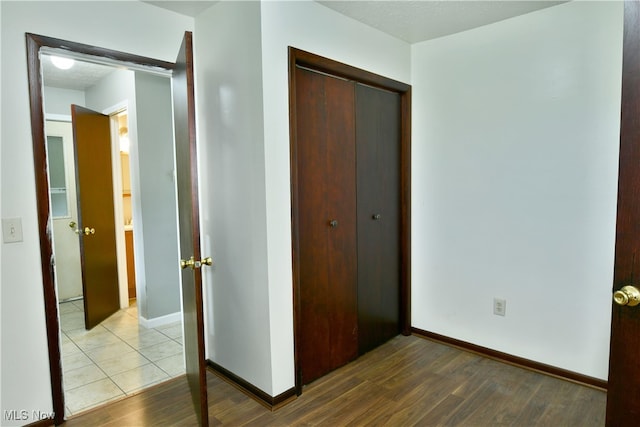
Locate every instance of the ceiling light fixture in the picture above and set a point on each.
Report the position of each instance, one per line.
(124, 140)
(62, 63)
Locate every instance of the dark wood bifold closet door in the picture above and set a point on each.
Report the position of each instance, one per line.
(378, 134)
(350, 192)
(326, 162)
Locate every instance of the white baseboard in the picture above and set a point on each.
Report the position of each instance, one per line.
(160, 321)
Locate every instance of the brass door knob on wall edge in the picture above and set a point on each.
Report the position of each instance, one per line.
(628, 295)
(191, 262)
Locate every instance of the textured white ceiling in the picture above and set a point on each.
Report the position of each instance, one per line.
(412, 21)
(184, 7)
(416, 21)
(79, 77)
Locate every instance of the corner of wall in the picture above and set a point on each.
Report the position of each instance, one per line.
(516, 150)
(230, 128)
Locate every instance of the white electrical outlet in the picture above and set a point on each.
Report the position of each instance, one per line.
(12, 230)
(499, 307)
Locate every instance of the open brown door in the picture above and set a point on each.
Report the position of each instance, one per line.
(96, 221)
(189, 226)
(623, 396)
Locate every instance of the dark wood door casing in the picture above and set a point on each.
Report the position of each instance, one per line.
(300, 60)
(94, 189)
(34, 45)
(623, 394)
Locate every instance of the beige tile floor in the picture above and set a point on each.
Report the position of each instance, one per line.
(116, 358)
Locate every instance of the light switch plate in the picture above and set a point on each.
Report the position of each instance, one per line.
(499, 306)
(11, 230)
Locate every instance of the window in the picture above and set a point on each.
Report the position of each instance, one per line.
(57, 177)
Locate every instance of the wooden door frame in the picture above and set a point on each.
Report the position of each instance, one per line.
(34, 44)
(301, 58)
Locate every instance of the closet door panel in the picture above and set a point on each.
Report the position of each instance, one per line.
(327, 223)
(378, 142)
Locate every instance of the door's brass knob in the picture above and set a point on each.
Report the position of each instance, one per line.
(193, 263)
(628, 295)
(87, 231)
(187, 263)
(333, 223)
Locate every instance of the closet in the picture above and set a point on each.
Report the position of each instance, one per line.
(348, 219)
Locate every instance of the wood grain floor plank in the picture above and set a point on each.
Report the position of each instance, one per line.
(443, 410)
(408, 381)
(378, 415)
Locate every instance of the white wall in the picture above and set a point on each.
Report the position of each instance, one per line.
(133, 27)
(157, 194)
(1, 211)
(515, 154)
(57, 101)
(231, 165)
(312, 27)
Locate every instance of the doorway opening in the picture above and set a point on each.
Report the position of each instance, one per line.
(183, 175)
(139, 344)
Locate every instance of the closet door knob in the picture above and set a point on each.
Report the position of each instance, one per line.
(333, 223)
(375, 217)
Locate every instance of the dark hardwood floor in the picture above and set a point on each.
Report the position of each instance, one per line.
(408, 381)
